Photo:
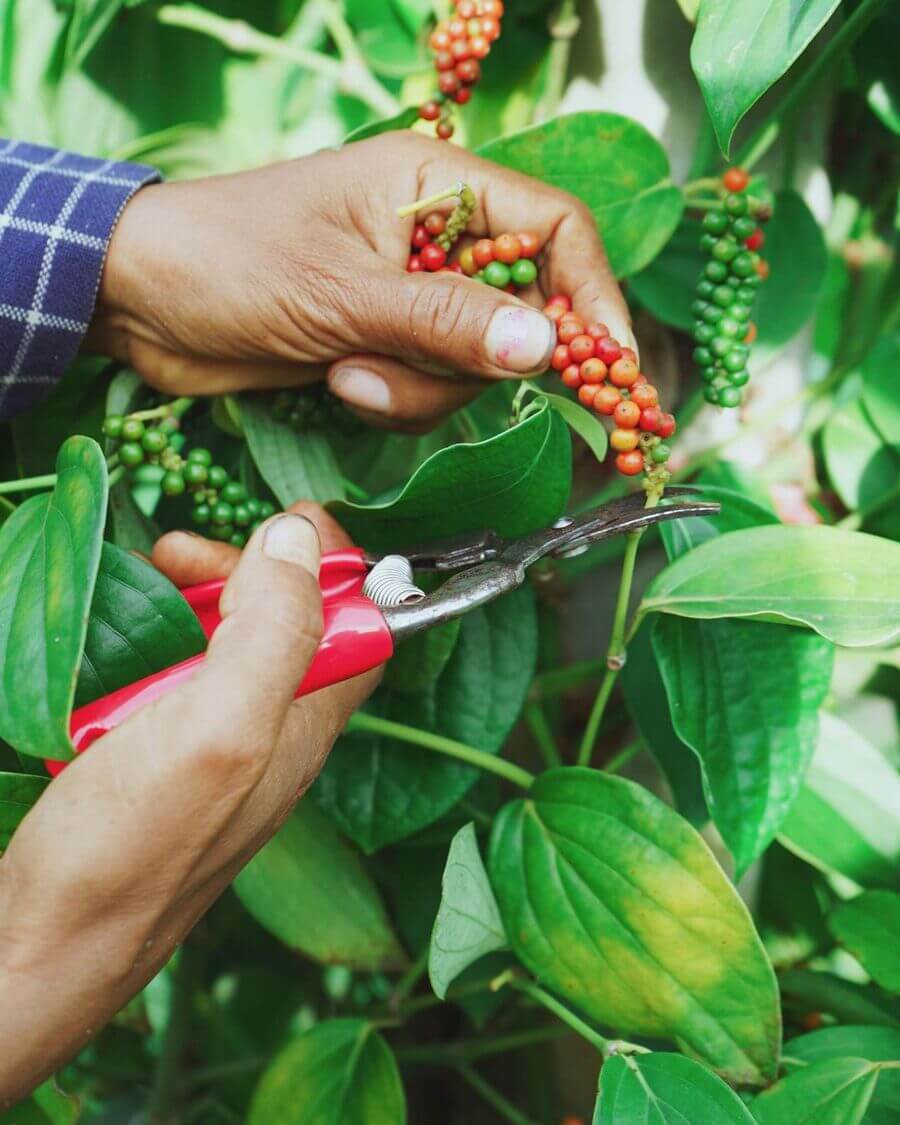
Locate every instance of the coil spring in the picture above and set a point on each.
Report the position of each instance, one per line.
(389, 583)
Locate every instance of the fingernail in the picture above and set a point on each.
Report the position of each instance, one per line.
(520, 339)
(293, 539)
(361, 387)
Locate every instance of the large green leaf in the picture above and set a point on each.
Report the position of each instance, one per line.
(845, 818)
(868, 926)
(468, 922)
(739, 50)
(875, 56)
(881, 394)
(49, 555)
(377, 789)
(745, 695)
(513, 483)
(831, 1092)
(876, 1044)
(402, 120)
(666, 287)
(341, 1072)
(585, 423)
(296, 466)
(18, 792)
(289, 888)
(615, 902)
(665, 1089)
(738, 512)
(139, 623)
(863, 468)
(615, 166)
(843, 584)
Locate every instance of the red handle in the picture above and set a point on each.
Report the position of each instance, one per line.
(355, 640)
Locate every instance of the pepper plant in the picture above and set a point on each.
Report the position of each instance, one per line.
(663, 844)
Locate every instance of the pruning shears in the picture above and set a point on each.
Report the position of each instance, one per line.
(370, 602)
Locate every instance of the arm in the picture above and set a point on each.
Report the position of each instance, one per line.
(57, 214)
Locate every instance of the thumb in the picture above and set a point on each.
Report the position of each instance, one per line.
(271, 627)
(446, 322)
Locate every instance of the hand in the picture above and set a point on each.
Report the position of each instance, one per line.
(136, 838)
(272, 277)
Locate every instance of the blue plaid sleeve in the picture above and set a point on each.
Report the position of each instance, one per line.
(57, 214)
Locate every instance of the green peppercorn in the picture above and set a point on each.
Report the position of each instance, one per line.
(132, 429)
(173, 484)
(253, 506)
(745, 294)
(716, 222)
(734, 282)
(705, 288)
(242, 516)
(195, 472)
(200, 456)
(742, 265)
(523, 272)
(725, 249)
(720, 345)
(736, 205)
(131, 454)
(730, 327)
(739, 378)
(222, 513)
(711, 394)
(730, 396)
(660, 453)
(112, 426)
(703, 357)
(218, 477)
(707, 242)
(708, 374)
(222, 532)
(154, 441)
(266, 509)
(716, 271)
(239, 539)
(712, 314)
(704, 333)
(697, 307)
(735, 357)
(753, 280)
(234, 492)
(497, 274)
(201, 514)
(743, 227)
(723, 296)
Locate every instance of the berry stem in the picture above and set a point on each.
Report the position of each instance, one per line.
(420, 204)
(372, 724)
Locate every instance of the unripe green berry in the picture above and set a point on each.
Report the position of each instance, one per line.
(740, 312)
(736, 205)
(154, 441)
(745, 294)
(218, 477)
(173, 484)
(742, 265)
(704, 333)
(201, 515)
(523, 272)
(222, 513)
(253, 506)
(266, 509)
(131, 454)
(730, 397)
(703, 357)
(660, 453)
(222, 532)
(743, 227)
(239, 539)
(200, 456)
(707, 242)
(752, 280)
(723, 296)
(242, 517)
(708, 374)
(720, 345)
(716, 271)
(112, 426)
(739, 378)
(195, 473)
(697, 307)
(132, 429)
(729, 327)
(711, 394)
(712, 314)
(716, 222)
(705, 288)
(734, 282)
(497, 274)
(234, 492)
(735, 358)
(725, 249)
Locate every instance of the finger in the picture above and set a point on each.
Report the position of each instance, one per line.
(331, 535)
(174, 373)
(451, 323)
(390, 395)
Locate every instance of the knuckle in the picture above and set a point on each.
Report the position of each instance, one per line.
(444, 319)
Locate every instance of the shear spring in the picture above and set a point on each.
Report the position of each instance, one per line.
(389, 583)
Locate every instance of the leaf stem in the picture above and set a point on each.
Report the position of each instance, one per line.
(765, 136)
(409, 980)
(481, 1048)
(547, 685)
(615, 655)
(536, 719)
(350, 73)
(25, 484)
(493, 1097)
(373, 724)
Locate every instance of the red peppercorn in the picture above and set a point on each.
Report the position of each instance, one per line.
(606, 400)
(483, 252)
(627, 414)
(507, 249)
(490, 28)
(608, 350)
(623, 372)
(593, 370)
(480, 46)
(631, 463)
(597, 331)
(414, 264)
(571, 377)
(433, 257)
(735, 179)
(623, 440)
(465, 9)
(651, 416)
(444, 130)
(440, 38)
(562, 300)
(586, 395)
(582, 348)
(461, 51)
(457, 29)
(554, 312)
(529, 242)
(443, 60)
(420, 236)
(755, 241)
(644, 395)
(430, 111)
(463, 95)
(629, 353)
(561, 358)
(448, 84)
(435, 223)
(666, 426)
(492, 8)
(569, 327)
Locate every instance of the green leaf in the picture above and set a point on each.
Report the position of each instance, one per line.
(586, 424)
(378, 790)
(615, 902)
(666, 287)
(868, 926)
(18, 792)
(745, 695)
(806, 991)
(640, 680)
(690, 8)
(862, 468)
(875, 56)
(513, 483)
(405, 119)
(876, 1044)
(614, 166)
(49, 555)
(664, 1089)
(139, 624)
(341, 1072)
(420, 659)
(832, 1092)
(881, 394)
(90, 18)
(295, 466)
(468, 922)
(739, 511)
(843, 584)
(845, 818)
(740, 50)
(310, 889)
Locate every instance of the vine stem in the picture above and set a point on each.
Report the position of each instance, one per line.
(624, 756)
(606, 1047)
(536, 718)
(563, 26)
(469, 1050)
(615, 655)
(762, 140)
(373, 724)
(48, 480)
(493, 1097)
(350, 71)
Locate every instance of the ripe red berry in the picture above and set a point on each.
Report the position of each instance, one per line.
(430, 111)
(569, 327)
(443, 60)
(631, 463)
(414, 265)
(480, 46)
(582, 348)
(650, 418)
(435, 223)
(608, 350)
(433, 257)
(444, 130)
(448, 84)
(466, 9)
(623, 372)
(555, 313)
(666, 426)
(644, 395)
(597, 331)
(562, 300)
(571, 377)
(629, 353)
(623, 440)
(460, 50)
(483, 252)
(490, 28)
(561, 357)
(606, 400)
(627, 414)
(529, 242)
(440, 38)
(492, 8)
(463, 95)
(755, 241)
(735, 179)
(420, 236)
(507, 249)
(457, 29)
(593, 370)
(586, 395)
(474, 28)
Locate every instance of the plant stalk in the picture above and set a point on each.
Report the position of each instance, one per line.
(623, 756)
(493, 1097)
(537, 722)
(372, 724)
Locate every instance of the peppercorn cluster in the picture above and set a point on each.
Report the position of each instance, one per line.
(458, 46)
(313, 408)
(506, 262)
(609, 381)
(726, 291)
(222, 506)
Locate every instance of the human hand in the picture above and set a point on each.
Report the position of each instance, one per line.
(274, 277)
(136, 838)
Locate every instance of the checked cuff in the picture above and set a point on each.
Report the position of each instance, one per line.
(57, 214)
